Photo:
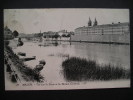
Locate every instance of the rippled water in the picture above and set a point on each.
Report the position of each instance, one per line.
(56, 52)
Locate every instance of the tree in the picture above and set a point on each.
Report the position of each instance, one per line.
(6, 43)
(56, 35)
(63, 35)
(38, 34)
(15, 33)
(68, 35)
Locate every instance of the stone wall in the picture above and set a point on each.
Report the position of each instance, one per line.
(106, 38)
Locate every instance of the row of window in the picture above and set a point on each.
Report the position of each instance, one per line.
(101, 32)
(108, 28)
(119, 29)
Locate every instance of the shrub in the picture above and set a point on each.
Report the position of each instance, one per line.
(81, 69)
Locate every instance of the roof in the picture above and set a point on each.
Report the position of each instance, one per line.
(105, 25)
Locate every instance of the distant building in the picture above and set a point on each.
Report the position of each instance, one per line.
(49, 34)
(63, 32)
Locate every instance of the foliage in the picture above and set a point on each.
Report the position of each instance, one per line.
(6, 42)
(56, 36)
(15, 33)
(38, 34)
(81, 69)
(64, 35)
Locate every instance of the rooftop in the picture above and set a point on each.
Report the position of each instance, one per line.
(105, 25)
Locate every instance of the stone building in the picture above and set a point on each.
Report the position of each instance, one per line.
(106, 33)
(117, 28)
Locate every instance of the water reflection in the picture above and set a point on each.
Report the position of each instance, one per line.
(49, 43)
(105, 53)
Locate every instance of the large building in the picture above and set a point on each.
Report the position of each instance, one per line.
(115, 32)
(117, 28)
(8, 33)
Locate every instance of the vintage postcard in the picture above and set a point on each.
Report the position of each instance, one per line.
(61, 49)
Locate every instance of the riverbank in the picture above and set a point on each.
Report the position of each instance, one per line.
(100, 42)
(105, 38)
(24, 72)
(117, 43)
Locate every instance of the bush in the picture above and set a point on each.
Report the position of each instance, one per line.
(42, 62)
(15, 33)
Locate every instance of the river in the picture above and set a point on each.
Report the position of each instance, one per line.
(54, 53)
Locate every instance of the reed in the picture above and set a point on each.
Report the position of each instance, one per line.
(78, 69)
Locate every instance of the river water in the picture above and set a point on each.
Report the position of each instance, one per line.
(54, 53)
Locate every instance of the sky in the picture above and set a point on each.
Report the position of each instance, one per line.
(35, 20)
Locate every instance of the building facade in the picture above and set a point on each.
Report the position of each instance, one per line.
(106, 33)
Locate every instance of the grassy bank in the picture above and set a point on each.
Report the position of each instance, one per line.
(28, 73)
(77, 69)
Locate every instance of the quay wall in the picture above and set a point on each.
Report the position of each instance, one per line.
(105, 38)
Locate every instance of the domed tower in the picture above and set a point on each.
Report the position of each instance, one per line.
(95, 22)
(89, 22)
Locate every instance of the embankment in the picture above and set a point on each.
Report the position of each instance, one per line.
(105, 38)
(27, 73)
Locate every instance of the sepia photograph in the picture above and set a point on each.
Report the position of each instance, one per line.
(66, 48)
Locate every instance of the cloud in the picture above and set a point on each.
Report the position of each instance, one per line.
(34, 20)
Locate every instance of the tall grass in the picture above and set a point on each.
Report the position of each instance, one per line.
(28, 73)
(78, 69)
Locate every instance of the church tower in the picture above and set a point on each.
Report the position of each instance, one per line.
(89, 23)
(95, 22)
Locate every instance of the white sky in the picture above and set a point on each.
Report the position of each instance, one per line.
(33, 20)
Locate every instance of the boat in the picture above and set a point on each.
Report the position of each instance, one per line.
(20, 43)
(42, 62)
(21, 54)
(28, 58)
(39, 67)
